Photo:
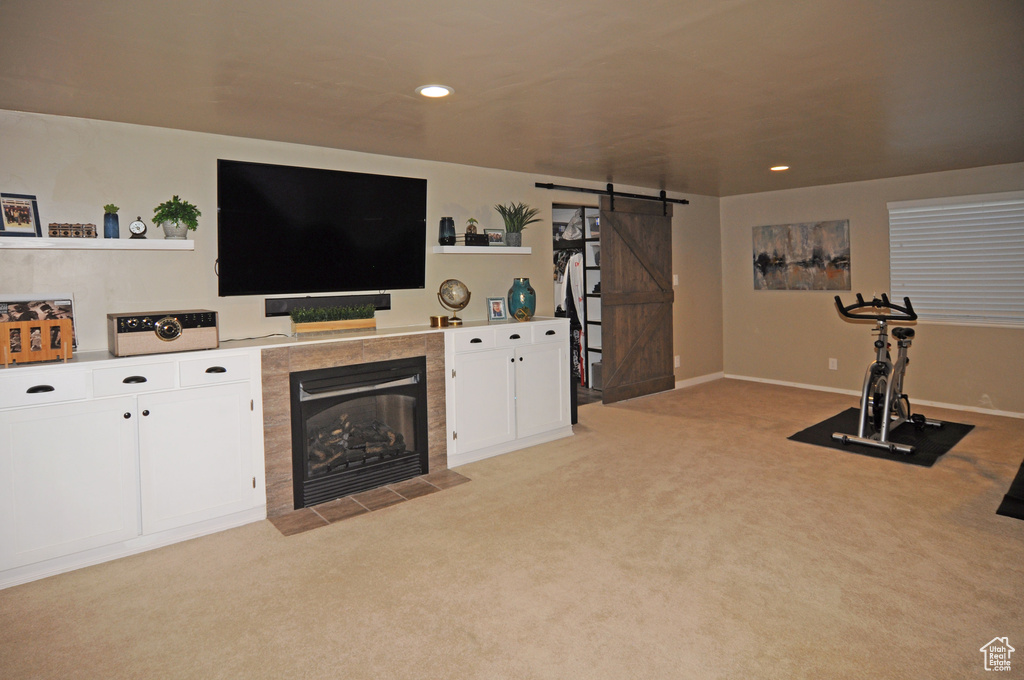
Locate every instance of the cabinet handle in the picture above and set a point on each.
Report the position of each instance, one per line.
(127, 415)
(550, 333)
(145, 412)
(475, 340)
(514, 336)
(36, 389)
(133, 379)
(520, 358)
(216, 369)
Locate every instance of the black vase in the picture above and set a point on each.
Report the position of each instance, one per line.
(446, 231)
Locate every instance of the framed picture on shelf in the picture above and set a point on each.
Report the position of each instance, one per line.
(20, 216)
(495, 237)
(38, 308)
(496, 309)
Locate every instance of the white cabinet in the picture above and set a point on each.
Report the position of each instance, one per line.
(508, 387)
(107, 458)
(194, 455)
(68, 479)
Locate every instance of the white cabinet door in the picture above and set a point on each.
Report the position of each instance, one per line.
(195, 455)
(484, 399)
(542, 388)
(68, 479)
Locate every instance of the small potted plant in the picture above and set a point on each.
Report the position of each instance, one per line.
(327, 319)
(177, 217)
(111, 229)
(516, 217)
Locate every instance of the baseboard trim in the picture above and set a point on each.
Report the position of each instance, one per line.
(699, 380)
(856, 393)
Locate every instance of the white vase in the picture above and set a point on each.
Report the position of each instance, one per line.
(174, 230)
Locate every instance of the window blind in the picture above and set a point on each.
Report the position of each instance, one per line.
(961, 258)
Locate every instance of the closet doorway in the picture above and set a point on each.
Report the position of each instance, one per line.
(577, 283)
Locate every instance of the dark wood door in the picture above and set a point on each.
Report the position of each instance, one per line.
(636, 298)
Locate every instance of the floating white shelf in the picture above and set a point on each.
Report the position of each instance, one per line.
(46, 243)
(484, 250)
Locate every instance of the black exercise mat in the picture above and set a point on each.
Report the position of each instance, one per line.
(929, 443)
(1013, 501)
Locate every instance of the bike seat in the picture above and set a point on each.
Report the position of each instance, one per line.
(901, 333)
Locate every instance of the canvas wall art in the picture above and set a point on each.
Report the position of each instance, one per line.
(807, 256)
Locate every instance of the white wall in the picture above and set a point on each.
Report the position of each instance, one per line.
(74, 166)
(790, 335)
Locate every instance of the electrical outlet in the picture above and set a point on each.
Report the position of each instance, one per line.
(676, 361)
(675, 279)
(833, 364)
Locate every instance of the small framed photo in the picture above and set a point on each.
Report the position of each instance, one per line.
(496, 308)
(20, 216)
(495, 237)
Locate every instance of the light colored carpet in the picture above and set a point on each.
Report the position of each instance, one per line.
(675, 536)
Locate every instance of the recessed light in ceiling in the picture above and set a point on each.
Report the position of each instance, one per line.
(779, 168)
(434, 91)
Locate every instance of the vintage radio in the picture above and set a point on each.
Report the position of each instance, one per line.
(159, 332)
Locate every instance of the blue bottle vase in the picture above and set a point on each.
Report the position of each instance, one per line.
(522, 300)
(110, 226)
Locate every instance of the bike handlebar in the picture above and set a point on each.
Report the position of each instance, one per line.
(906, 311)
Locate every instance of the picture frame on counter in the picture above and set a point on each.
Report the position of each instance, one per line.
(20, 216)
(496, 309)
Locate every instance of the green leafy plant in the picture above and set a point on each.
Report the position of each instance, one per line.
(110, 209)
(177, 210)
(517, 216)
(316, 314)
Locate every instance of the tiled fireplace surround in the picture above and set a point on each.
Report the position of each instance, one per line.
(279, 362)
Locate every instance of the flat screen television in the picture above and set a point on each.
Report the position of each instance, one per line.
(289, 230)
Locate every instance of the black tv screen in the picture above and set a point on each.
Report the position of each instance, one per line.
(284, 230)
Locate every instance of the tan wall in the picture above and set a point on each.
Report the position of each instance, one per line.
(75, 166)
(790, 335)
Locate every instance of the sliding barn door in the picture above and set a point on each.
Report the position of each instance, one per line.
(636, 298)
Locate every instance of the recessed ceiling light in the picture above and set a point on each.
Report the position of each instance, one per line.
(779, 168)
(434, 91)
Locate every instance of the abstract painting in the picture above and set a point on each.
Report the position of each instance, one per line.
(806, 256)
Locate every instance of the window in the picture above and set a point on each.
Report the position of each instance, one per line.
(960, 259)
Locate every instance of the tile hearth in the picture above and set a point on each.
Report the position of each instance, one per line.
(305, 519)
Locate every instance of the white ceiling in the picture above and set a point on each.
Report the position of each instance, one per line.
(695, 96)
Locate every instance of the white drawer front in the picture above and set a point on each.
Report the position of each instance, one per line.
(133, 379)
(555, 331)
(513, 334)
(472, 339)
(47, 387)
(215, 369)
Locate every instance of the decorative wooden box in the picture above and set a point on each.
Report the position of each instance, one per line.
(26, 342)
(330, 326)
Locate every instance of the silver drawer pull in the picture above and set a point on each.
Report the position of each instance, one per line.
(216, 369)
(134, 379)
(36, 389)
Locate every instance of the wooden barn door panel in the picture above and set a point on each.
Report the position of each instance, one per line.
(636, 298)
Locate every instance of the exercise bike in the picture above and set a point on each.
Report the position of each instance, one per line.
(883, 405)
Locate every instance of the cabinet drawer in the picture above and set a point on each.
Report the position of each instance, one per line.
(132, 379)
(473, 339)
(512, 335)
(46, 387)
(216, 369)
(556, 331)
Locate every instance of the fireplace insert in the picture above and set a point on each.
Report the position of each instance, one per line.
(357, 427)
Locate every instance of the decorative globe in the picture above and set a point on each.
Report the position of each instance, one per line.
(454, 296)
